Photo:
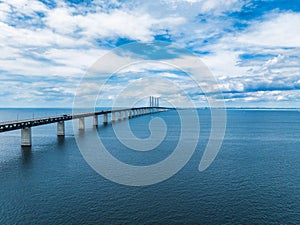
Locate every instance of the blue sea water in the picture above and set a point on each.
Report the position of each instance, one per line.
(255, 178)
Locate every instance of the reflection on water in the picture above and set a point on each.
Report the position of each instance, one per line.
(60, 141)
(26, 155)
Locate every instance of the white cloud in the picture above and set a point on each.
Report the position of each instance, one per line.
(69, 38)
(114, 23)
(5, 9)
(27, 7)
(61, 20)
(209, 6)
(279, 30)
(224, 62)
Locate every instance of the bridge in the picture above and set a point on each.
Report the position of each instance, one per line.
(116, 114)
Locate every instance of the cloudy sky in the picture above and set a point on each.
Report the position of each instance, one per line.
(252, 48)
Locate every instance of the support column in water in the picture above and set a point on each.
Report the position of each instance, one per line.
(61, 128)
(128, 113)
(105, 119)
(113, 117)
(81, 123)
(26, 136)
(95, 121)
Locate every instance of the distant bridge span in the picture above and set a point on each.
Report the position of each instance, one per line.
(25, 125)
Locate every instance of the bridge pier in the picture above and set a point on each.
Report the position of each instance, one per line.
(125, 114)
(129, 114)
(105, 119)
(26, 136)
(113, 119)
(95, 121)
(120, 115)
(61, 128)
(81, 123)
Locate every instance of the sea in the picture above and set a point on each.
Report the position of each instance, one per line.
(254, 179)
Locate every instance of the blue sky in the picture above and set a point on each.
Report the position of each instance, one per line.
(251, 47)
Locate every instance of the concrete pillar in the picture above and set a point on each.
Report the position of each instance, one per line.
(61, 128)
(105, 118)
(113, 117)
(81, 123)
(95, 120)
(120, 115)
(26, 136)
(132, 113)
(125, 114)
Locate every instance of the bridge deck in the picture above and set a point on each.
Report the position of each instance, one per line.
(20, 124)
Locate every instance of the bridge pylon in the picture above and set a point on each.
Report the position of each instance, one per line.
(153, 102)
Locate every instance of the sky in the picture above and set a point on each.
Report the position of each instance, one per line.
(250, 47)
